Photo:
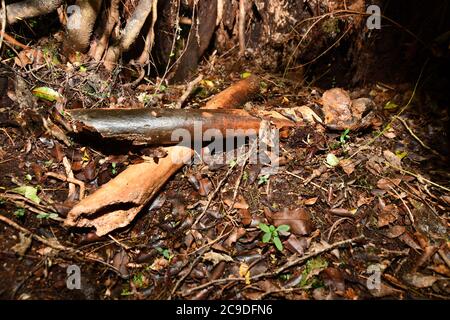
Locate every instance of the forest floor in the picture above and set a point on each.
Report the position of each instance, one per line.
(372, 226)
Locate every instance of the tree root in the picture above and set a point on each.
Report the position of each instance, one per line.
(129, 33)
(80, 26)
(99, 46)
(29, 9)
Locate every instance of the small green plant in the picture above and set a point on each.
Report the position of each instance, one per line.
(144, 98)
(162, 88)
(344, 137)
(138, 280)
(313, 267)
(47, 216)
(114, 168)
(263, 179)
(48, 163)
(126, 292)
(271, 234)
(232, 164)
(285, 277)
(19, 212)
(165, 253)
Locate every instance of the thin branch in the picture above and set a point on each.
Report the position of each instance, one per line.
(3, 22)
(241, 27)
(189, 88)
(52, 244)
(282, 268)
(420, 178)
(403, 121)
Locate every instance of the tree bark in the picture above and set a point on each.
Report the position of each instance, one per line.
(78, 38)
(30, 8)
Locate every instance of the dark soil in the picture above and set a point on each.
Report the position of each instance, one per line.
(160, 255)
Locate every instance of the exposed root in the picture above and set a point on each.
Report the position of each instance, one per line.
(7, 38)
(241, 27)
(3, 17)
(80, 26)
(145, 55)
(129, 33)
(99, 46)
(29, 9)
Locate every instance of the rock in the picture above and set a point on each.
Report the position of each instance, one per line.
(343, 113)
(336, 105)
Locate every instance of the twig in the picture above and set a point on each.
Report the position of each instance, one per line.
(335, 226)
(189, 88)
(212, 242)
(238, 182)
(70, 175)
(191, 267)
(217, 281)
(419, 177)
(411, 217)
(284, 290)
(309, 256)
(416, 137)
(119, 243)
(305, 180)
(9, 137)
(241, 28)
(51, 244)
(3, 23)
(213, 195)
(141, 76)
(12, 41)
(56, 245)
(70, 180)
(23, 202)
(282, 268)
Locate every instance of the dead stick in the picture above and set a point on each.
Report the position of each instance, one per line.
(241, 27)
(163, 126)
(281, 269)
(13, 41)
(56, 245)
(71, 180)
(235, 95)
(51, 244)
(189, 88)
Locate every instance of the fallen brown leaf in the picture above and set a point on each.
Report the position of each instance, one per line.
(392, 158)
(419, 280)
(387, 215)
(387, 184)
(298, 219)
(310, 201)
(347, 165)
(395, 231)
